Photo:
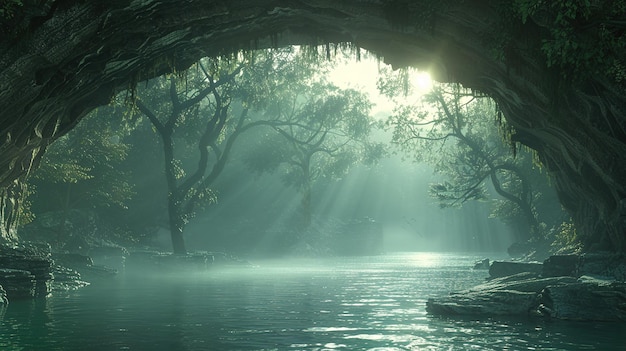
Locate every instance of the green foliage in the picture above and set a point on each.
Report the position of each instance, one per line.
(267, 152)
(81, 169)
(9, 7)
(204, 111)
(392, 83)
(584, 37)
(321, 132)
(81, 178)
(447, 193)
(177, 167)
(313, 129)
(455, 131)
(202, 197)
(68, 170)
(565, 238)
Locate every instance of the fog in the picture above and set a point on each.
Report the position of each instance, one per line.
(323, 225)
(360, 194)
(393, 194)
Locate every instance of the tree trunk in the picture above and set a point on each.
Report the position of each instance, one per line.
(176, 227)
(520, 200)
(9, 199)
(174, 211)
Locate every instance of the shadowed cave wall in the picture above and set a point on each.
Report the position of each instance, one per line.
(61, 59)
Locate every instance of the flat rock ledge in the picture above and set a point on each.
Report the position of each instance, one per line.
(537, 293)
(25, 271)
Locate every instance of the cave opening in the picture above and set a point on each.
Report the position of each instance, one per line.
(566, 107)
(202, 108)
(441, 141)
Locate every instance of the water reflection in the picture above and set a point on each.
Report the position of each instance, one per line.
(26, 322)
(339, 304)
(426, 259)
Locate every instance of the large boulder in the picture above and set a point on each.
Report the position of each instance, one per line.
(482, 264)
(509, 296)
(605, 264)
(610, 265)
(19, 284)
(561, 265)
(528, 294)
(500, 269)
(589, 298)
(33, 260)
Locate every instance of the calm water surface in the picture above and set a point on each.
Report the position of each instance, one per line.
(364, 303)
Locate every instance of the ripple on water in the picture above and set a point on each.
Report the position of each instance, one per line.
(373, 303)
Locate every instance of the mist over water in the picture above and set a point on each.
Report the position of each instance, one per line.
(349, 303)
(393, 194)
(356, 277)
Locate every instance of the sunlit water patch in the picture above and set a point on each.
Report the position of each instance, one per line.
(364, 303)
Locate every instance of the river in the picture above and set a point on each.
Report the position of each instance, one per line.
(354, 303)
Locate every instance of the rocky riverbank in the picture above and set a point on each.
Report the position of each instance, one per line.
(25, 271)
(569, 287)
(31, 270)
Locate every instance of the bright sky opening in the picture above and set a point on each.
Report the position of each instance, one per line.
(363, 75)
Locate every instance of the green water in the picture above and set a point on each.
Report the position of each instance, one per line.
(364, 303)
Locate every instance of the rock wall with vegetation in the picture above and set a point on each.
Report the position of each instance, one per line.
(556, 70)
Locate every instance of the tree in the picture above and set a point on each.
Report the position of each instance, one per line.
(210, 109)
(464, 143)
(186, 192)
(322, 132)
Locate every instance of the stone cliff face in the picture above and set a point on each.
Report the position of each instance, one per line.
(61, 59)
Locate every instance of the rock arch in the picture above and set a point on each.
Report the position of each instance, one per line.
(60, 59)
